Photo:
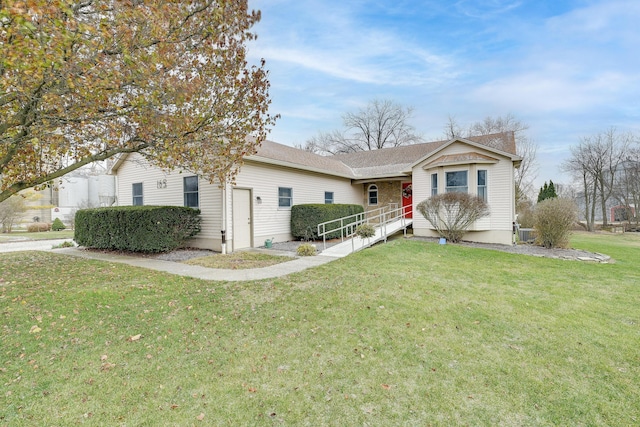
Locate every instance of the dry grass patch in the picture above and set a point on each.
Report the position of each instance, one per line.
(238, 260)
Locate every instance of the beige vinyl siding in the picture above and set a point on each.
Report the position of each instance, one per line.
(501, 195)
(160, 188)
(496, 227)
(271, 221)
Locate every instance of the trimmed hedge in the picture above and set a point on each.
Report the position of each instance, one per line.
(136, 228)
(305, 218)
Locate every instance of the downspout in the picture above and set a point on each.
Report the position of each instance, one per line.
(223, 230)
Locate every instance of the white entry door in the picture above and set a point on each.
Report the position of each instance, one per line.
(241, 218)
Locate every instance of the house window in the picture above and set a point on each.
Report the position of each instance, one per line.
(434, 184)
(136, 190)
(190, 185)
(373, 194)
(482, 184)
(285, 197)
(328, 197)
(456, 182)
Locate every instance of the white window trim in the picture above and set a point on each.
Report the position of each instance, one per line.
(290, 198)
(434, 190)
(185, 192)
(450, 189)
(134, 197)
(331, 200)
(485, 186)
(377, 190)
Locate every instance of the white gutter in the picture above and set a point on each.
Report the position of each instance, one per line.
(223, 230)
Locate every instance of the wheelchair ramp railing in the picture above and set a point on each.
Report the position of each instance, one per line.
(386, 221)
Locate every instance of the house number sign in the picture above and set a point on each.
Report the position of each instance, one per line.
(161, 183)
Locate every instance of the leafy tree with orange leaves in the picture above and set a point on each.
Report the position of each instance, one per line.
(84, 80)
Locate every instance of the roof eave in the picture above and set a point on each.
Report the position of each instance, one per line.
(460, 162)
(120, 159)
(384, 177)
(266, 160)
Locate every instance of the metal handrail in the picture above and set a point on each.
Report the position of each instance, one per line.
(383, 215)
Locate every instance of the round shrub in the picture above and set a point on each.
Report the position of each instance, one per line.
(553, 220)
(306, 249)
(365, 231)
(451, 214)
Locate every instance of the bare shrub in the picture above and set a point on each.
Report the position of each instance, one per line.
(451, 214)
(38, 227)
(553, 221)
(525, 214)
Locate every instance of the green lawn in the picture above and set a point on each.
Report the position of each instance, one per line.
(407, 333)
(45, 235)
(238, 260)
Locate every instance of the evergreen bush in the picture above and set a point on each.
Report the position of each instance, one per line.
(136, 228)
(57, 225)
(547, 191)
(305, 219)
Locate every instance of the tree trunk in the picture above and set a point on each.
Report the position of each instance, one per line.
(587, 204)
(593, 196)
(603, 201)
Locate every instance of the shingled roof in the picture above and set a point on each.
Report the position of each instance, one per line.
(400, 160)
(386, 162)
(284, 155)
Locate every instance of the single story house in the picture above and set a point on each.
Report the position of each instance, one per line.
(258, 205)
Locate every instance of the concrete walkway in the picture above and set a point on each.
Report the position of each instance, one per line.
(295, 265)
(30, 245)
(204, 273)
(195, 271)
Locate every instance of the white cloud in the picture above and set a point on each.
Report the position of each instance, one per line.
(485, 8)
(546, 91)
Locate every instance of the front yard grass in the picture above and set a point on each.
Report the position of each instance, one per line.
(239, 260)
(44, 235)
(407, 333)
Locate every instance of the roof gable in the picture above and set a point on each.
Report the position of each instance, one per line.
(460, 158)
(495, 143)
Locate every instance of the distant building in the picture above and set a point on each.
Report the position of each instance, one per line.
(70, 193)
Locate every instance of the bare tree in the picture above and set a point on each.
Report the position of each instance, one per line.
(525, 147)
(627, 184)
(598, 161)
(14, 207)
(381, 124)
(579, 165)
(452, 129)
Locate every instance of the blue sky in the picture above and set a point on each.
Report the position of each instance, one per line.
(567, 68)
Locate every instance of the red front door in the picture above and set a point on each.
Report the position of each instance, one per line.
(407, 199)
